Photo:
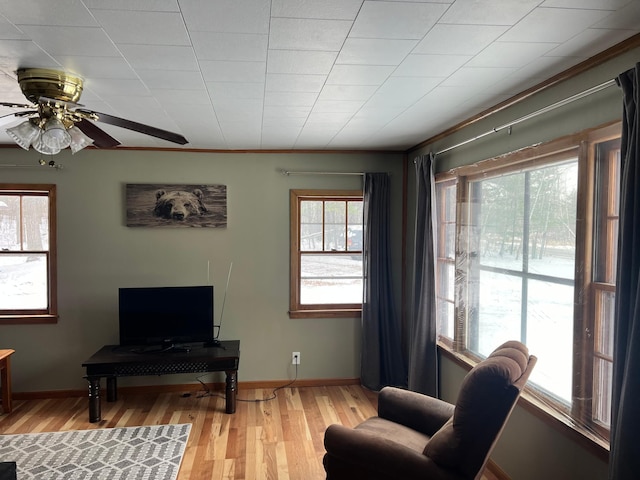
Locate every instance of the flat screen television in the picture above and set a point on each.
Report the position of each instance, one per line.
(165, 316)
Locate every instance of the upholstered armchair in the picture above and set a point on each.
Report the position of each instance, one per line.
(417, 436)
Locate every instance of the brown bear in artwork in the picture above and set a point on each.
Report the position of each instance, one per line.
(178, 204)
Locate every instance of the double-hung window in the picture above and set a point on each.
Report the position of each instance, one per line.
(326, 253)
(27, 253)
(526, 250)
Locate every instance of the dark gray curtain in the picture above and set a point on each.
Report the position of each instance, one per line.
(382, 361)
(624, 459)
(423, 358)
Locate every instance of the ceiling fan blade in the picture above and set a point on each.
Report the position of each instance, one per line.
(15, 105)
(101, 139)
(10, 117)
(137, 127)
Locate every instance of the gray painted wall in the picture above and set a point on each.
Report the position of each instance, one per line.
(97, 254)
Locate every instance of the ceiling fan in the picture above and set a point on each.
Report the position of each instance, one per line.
(54, 119)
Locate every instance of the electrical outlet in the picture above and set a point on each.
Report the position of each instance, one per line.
(295, 358)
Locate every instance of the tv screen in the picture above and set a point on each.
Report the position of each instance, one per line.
(165, 315)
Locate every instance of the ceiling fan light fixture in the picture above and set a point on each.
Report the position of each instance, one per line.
(24, 134)
(41, 147)
(78, 139)
(55, 135)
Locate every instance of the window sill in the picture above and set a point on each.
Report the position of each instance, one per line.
(334, 313)
(28, 319)
(544, 412)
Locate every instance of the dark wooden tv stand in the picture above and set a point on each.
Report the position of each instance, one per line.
(113, 361)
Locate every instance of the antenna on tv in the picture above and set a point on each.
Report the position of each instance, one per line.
(216, 342)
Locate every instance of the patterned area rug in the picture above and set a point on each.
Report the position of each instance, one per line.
(131, 453)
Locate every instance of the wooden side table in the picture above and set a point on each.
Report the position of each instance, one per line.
(5, 379)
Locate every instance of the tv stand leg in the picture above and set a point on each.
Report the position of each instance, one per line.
(112, 389)
(232, 376)
(94, 400)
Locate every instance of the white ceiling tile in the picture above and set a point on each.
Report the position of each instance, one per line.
(308, 34)
(347, 93)
(171, 79)
(218, 71)
(476, 78)
(459, 39)
(329, 118)
(8, 31)
(278, 137)
(139, 5)
(106, 88)
(284, 122)
(402, 91)
(81, 41)
(396, 20)
(359, 74)
(160, 57)
(555, 25)
(97, 67)
(243, 90)
(589, 43)
(183, 99)
(238, 110)
(286, 111)
(149, 28)
(291, 99)
(488, 12)
(341, 106)
(374, 51)
(587, 4)
(280, 82)
(431, 65)
(68, 13)
(230, 46)
(626, 18)
(510, 54)
(234, 16)
(300, 61)
(327, 9)
(15, 54)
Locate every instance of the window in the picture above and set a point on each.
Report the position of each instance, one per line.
(526, 250)
(27, 254)
(326, 253)
(445, 253)
(605, 233)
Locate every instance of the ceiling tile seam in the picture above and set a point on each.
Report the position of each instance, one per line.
(206, 88)
(327, 77)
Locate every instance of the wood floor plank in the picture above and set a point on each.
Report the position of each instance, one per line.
(268, 438)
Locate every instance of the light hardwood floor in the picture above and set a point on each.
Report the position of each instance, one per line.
(271, 439)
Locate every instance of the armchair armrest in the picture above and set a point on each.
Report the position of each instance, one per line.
(414, 410)
(380, 456)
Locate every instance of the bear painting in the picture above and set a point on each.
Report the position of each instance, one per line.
(178, 204)
(153, 205)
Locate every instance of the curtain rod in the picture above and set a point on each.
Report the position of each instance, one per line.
(546, 109)
(57, 166)
(288, 172)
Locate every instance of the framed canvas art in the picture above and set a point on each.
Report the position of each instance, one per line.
(176, 205)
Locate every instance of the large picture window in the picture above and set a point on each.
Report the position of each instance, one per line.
(533, 259)
(27, 254)
(326, 253)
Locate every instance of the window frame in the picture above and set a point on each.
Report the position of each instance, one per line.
(578, 420)
(296, 308)
(50, 314)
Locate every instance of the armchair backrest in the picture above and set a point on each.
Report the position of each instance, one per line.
(487, 396)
